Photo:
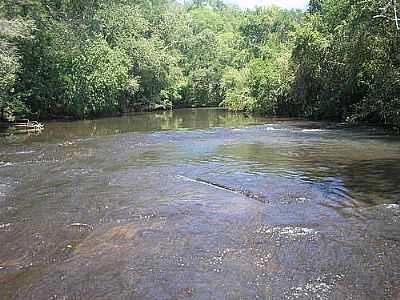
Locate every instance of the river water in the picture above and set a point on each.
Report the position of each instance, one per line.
(200, 204)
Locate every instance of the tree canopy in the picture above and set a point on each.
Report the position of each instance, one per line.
(339, 59)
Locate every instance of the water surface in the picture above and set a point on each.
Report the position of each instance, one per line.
(200, 204)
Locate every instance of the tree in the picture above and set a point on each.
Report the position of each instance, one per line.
(13, 30)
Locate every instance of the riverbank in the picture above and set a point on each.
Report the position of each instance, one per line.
(325, 123)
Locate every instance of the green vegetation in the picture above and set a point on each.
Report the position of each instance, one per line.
(85, 58)
(347, 63)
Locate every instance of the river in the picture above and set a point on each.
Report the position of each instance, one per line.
(200, 204)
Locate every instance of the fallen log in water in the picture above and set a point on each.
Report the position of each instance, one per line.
(243, 192)
(82, 225)
(25, 126)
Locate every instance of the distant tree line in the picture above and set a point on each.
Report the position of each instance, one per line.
(88, 58)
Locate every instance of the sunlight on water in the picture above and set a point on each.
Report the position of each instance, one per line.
(202, 203)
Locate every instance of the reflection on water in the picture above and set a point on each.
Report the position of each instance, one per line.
(183, 119)
(167, 207)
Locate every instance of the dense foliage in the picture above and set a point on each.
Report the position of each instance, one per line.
(347, 63)
(85, 58)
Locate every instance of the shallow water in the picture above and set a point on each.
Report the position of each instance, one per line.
(200, 204)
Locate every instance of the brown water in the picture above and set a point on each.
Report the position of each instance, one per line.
(200, 204)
